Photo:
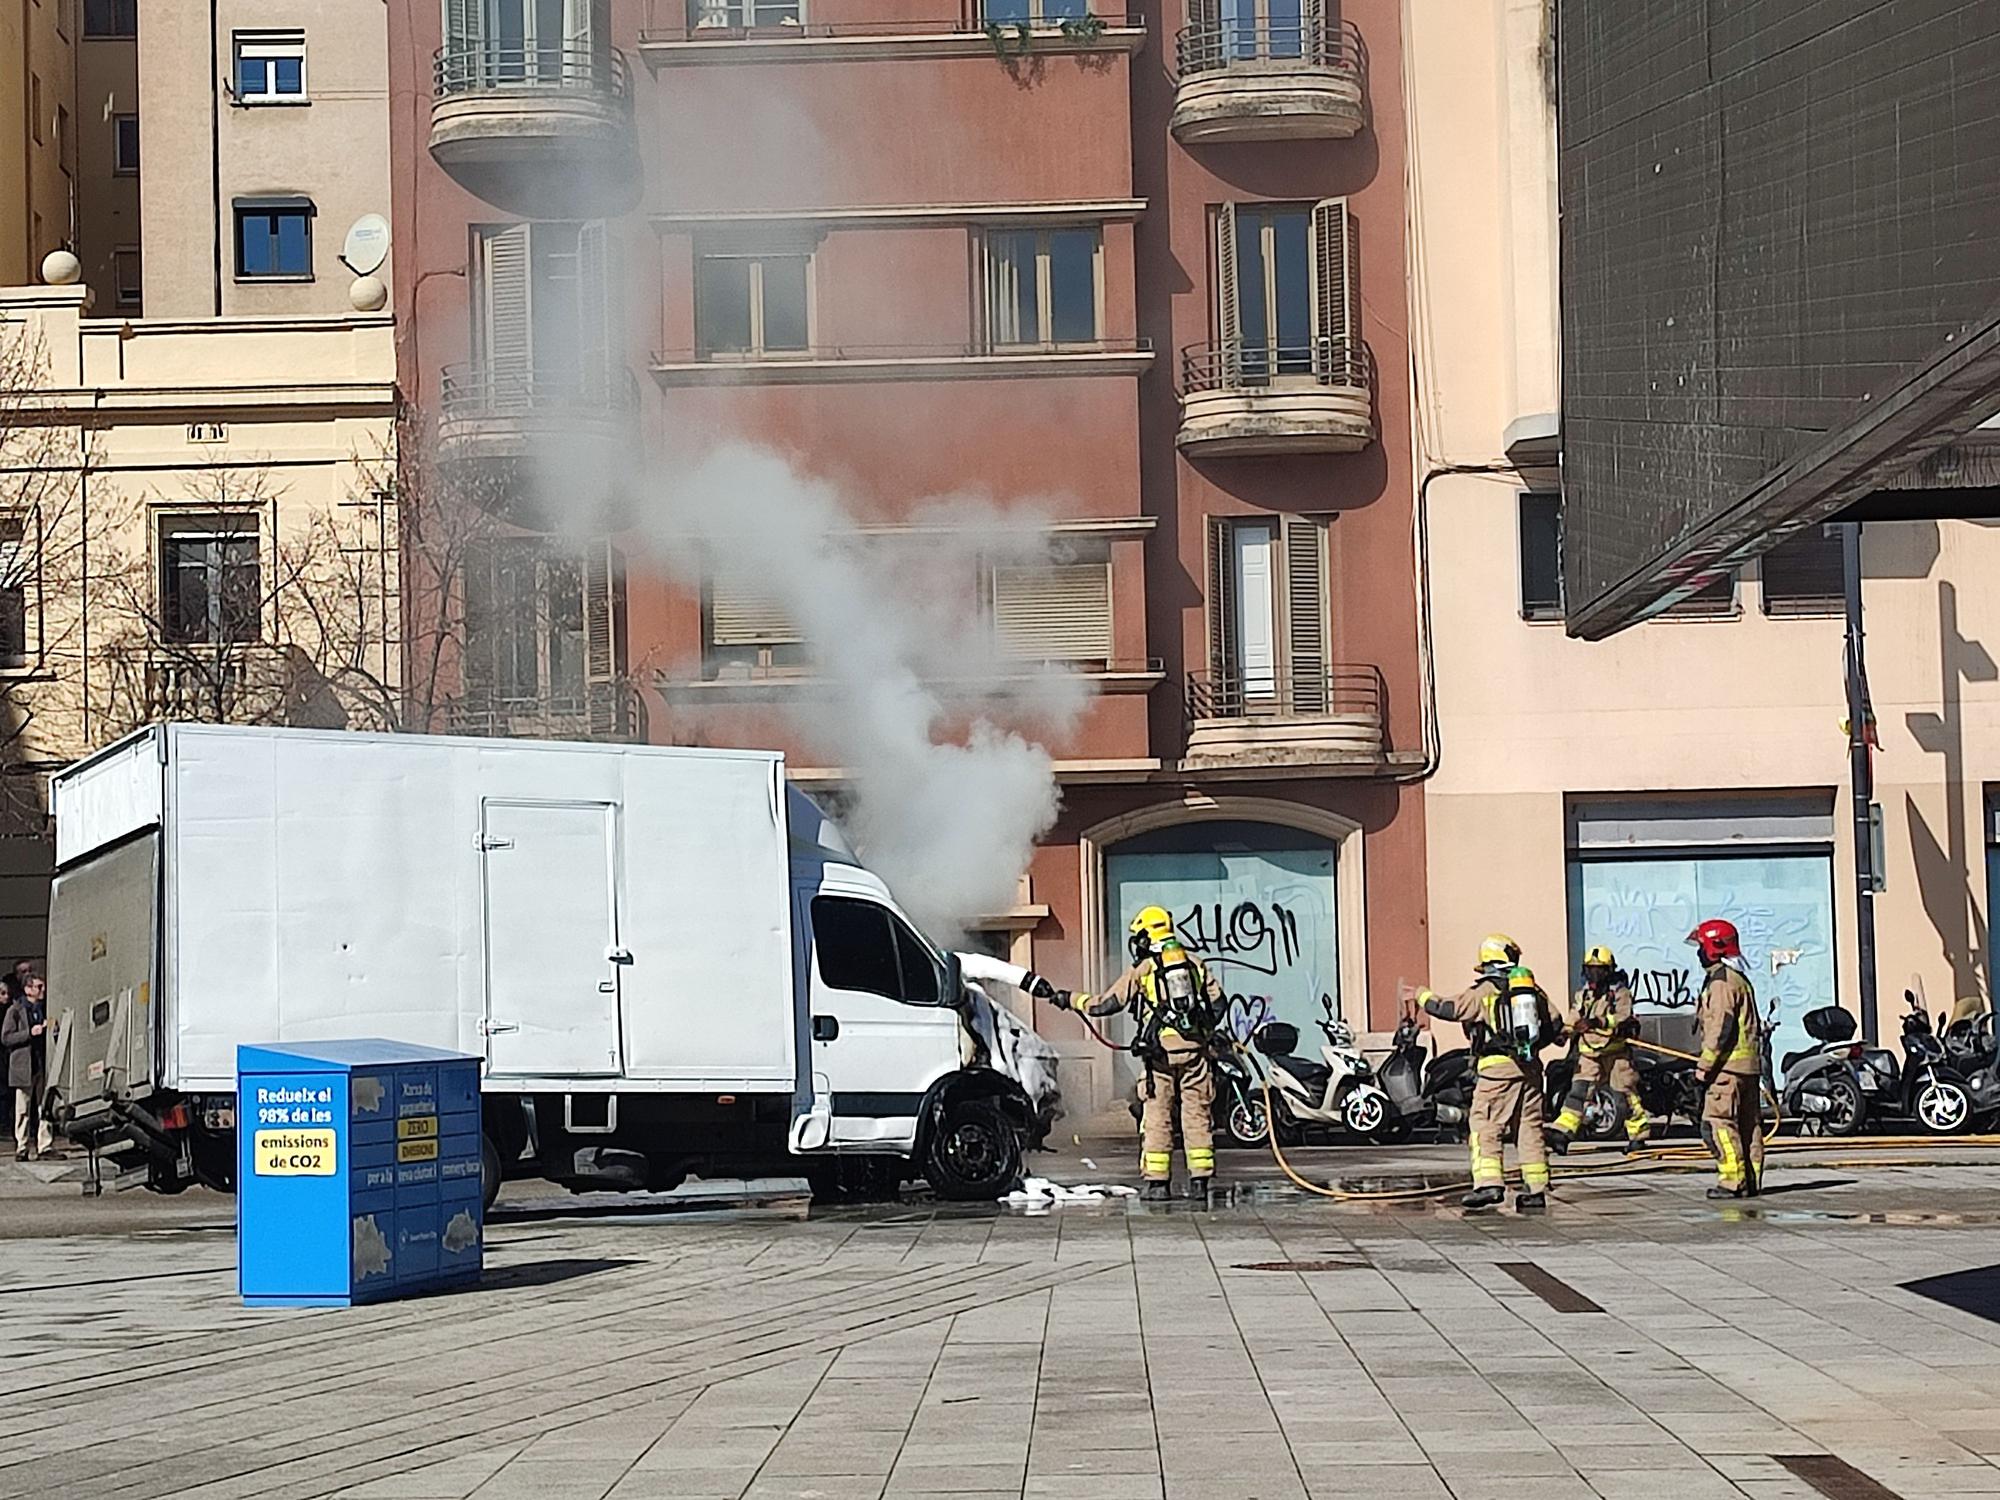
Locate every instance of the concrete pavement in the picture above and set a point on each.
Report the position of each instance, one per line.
(1272, 1348)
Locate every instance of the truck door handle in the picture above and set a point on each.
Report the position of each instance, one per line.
(825, 1028)
(607, 986)
(495, 1028)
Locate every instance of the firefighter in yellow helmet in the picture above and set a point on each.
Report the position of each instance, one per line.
(1507, 1022)
(1602, 1024)
(1178, 1006)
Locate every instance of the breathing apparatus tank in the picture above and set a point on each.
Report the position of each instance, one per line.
(1523, 1011)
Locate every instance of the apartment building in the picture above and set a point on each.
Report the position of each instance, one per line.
(1696, 764)
(38, 146)
(266, 126)
(107, 199)
(1142, 271)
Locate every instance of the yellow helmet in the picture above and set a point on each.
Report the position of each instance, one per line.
(1154, 924)
(1599, 957)
(1497, 950)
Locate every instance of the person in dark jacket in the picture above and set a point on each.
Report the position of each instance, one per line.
(24, 1033)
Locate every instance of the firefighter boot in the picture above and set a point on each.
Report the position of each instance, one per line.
(1486, 1197)
(1719, 1191)
(1198, 1191)
(1531, 1203)
(1156, 1191)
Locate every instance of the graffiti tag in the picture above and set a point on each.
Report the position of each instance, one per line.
(1247, 937)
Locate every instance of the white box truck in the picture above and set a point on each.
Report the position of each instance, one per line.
(669, 959)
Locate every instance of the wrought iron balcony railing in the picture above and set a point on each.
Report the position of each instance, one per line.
(570, 67)
(1309, 41)
(1344, 690)
(1241, 364)
(480, 391)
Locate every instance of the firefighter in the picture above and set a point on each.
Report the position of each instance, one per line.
(1602, 1024)
(1177, 1005)
(1732, 1062)
(1507, 1022)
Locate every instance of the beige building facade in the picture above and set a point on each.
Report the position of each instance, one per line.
(267, 137)
(38, 152)
(107, 148)
(1691, 766)
(196, 522)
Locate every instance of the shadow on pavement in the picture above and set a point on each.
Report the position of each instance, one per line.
(1976, 1291)
(547, 1272)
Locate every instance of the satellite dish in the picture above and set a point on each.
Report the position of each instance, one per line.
(367, 245)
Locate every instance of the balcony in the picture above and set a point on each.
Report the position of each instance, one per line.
(1327, 722)
(489, 413)
(1267, 81)
(1240, 399)
(601, 711)
(513, 119)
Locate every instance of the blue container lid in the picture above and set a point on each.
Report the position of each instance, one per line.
(339, 1057)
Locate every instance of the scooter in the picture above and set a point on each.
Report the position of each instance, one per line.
(1820, 1085)
(1925, 1088)
(1338, 1090)
(1240, 1116)
(1423, 1089)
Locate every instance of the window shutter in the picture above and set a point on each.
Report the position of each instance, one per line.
(741, 614)
(1306, 613)
(1336, 286)
(461, 22)
(1228, 321)
(593, 309)
(504, 332)
(604, 638)
(1222, 653)
(1053, 612)
(1312, 21)
(476, 648)
(1804, 574)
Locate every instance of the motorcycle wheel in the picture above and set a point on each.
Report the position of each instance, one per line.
(1845, 1113)
(1288, 1130)
(1247, 1123)
(1943, 1107)
(1364, 1113)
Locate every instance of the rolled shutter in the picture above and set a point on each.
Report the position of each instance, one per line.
(504, 339)
(1228, 321)
(604, 638)
(741, 614)
(1053, 612)
(1336, 287)
(1306, 613)
(1222, 652)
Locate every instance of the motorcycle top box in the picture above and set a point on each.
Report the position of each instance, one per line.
(1276, 1038)
(1829, 1024)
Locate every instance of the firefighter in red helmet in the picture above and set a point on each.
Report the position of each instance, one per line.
(1732, 1062)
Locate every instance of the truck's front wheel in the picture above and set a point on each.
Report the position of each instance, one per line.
(489, 1170)
(975, 1153)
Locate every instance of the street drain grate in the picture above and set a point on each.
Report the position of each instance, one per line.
(1835, 1478)
(1301, 1265)
(1560, 1295)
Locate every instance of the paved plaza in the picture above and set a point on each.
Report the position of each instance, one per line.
(1637, 1343)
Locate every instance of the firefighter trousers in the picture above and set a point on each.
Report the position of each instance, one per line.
(1498, 1105)
(1615, 1070)
(1182, 1081)
(1732, 1122)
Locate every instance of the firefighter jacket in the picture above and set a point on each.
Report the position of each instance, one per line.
(1481, 1011)
(1602, 1019)
(1138, 991)
(1732, 1032)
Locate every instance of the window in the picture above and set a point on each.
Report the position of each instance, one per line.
(1270, 636)
(524, 624)
(1013, 12)
(1042, 287)
(110, 18)
(543, 296)
(865, 947)
(491, 43)
(1287, 294)
(742, 15)
(1236, 30)
(125, 145)
(125, 268)
(750, 305)
(1805, 575)
(1541, 557)
(270, 67)
(1716, 601)
(14, 565)
(1053, 611)
(746, 633)
(211, 586)
(274, 239)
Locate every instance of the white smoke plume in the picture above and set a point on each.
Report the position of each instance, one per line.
(909, 694)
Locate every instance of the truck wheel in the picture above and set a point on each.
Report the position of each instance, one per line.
(975, 1155)
(489, 1171)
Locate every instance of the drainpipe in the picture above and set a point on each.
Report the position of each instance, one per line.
(1861, 780)
(215, 149)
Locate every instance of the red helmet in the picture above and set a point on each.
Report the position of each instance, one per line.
(1717, 940)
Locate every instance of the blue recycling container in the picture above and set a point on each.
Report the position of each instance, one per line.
(357, 1174)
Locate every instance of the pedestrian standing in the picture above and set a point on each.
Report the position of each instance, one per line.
(24, 1032)
(1732, 1063)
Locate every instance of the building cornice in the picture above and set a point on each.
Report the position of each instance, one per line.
(914, 215)
(672, 371)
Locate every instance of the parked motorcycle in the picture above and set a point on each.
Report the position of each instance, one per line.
(1240, 1116)
(1423, 1089)
(1925, 1086)
(1820, 1085)
(1339, 1090)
